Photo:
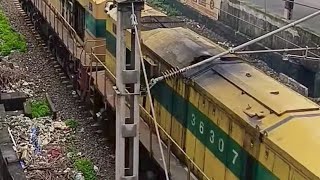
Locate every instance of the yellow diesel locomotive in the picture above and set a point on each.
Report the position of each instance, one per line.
(234, 121)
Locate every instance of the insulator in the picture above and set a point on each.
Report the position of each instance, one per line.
(171, 72)
(164, 73)
(177, 70)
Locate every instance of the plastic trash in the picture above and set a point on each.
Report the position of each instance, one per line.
(34, 139)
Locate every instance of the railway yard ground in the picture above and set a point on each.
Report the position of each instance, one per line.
(37, 76)
(72, 146)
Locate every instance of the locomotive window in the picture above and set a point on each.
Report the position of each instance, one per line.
(144, 101)
(152, 99)
(90, 6)
(79, 24)
(63, 7)
(203, 2)
(114, 28)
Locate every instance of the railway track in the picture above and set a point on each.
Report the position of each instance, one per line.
(47, 75)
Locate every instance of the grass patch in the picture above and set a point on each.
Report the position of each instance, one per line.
(164, 5)
(9, 38)
(71, 123)
(81, 164)
(72, 151)
(39, 108)
(85, 166)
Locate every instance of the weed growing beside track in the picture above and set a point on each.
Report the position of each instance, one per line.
(39, 108)
(71, 123)
(82, 164)
(85, 166)
(9, 38)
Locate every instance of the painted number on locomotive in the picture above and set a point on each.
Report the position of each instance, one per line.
(216, 140)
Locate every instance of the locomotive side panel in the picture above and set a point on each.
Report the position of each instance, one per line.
(214, 151)
(110, 41)
(228, 140)
(179, 112)
(56, 4)
(166, 109)
(110, 44)
(213, 165)
(195, 127)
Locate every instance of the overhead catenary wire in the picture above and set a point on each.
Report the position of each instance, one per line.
(275, 50)
(261, 28)
(231, 50)
(135, 23)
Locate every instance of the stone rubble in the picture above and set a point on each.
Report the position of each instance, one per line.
(51, 136)
(12, 78)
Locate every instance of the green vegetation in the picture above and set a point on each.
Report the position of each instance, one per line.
(71, 123)
(81, 164)
(164, 5)
(39, 108)
(85, 166)
(9, 38)
(73, 152)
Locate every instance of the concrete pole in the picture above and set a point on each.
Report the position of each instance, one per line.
(288, 7)
(128, 91)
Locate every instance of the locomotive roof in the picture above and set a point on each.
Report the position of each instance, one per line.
(147, 11)
(99, 1)
(291, 120)
(251, 82)
(299, 137)
(152, 19)
(178, 46)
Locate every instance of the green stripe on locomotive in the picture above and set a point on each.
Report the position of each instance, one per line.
(227, 150)
(95, 26)
(111, 42)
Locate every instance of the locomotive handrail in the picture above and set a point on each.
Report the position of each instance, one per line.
(84, 47)
(65, 22)
(110, 75)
